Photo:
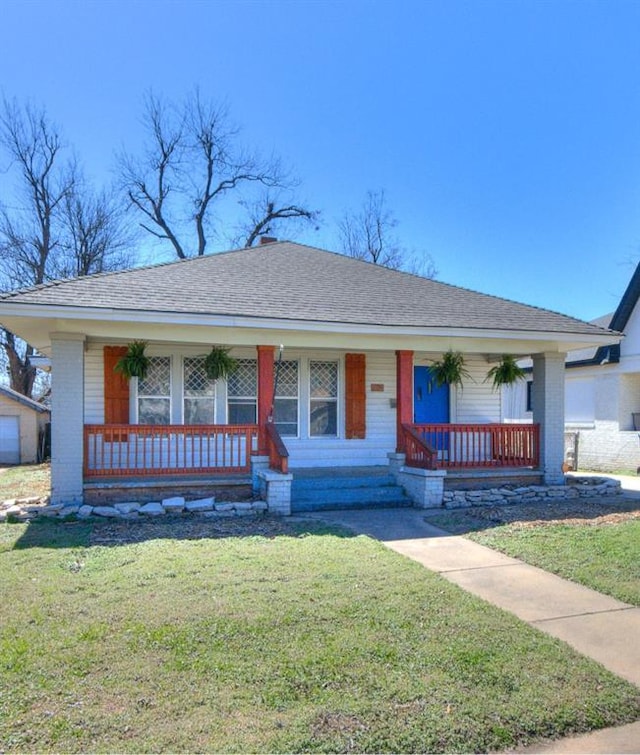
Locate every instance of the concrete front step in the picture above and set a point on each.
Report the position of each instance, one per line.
(300, 507)
(303, 485)
(322, 493)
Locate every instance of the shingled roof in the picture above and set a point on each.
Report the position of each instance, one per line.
(289, 281)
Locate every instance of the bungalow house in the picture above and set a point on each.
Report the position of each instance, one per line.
(602, 394)
(333, 357)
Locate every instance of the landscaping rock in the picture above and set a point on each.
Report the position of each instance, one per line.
(201, 504)
(105, 511)
(128, 507)
(173, 505)
(152, 509)
(85, 511)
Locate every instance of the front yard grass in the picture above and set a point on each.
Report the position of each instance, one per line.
(310, 641)
(589, 546)
(603, 557)
(25, 481)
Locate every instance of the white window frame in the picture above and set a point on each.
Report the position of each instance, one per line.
(240, 399)
(139, 396)
(334, 399)
(213, 398)
(297, 397)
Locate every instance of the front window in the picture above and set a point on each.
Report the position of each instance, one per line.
(199, 393)
(285, 410)
(242, 392)
(323, 398)
(154, 393)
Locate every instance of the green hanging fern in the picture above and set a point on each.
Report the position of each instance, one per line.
(218, 363)
(449, 370)
(134, 363)
(506, 372)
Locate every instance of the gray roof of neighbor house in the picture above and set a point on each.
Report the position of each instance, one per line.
(289, 281)
(24, 400)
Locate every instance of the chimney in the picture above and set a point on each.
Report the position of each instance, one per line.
(267, 240)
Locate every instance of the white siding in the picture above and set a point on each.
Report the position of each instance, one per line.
(476, 401)
(381, 418)
(94, 384)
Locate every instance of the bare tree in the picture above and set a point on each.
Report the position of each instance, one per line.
(47, 227)
(370, 234)
(194, 161)
(96, 238)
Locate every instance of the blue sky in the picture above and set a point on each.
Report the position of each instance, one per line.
(506, 135)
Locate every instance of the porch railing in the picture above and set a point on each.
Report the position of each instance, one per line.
(452, 446)
(139, 450)
(278, 454)
(418, 452)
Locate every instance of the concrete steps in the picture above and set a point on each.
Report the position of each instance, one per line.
(344, 489)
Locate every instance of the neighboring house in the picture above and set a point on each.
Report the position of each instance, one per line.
(351, 386)
(602, 394)
(22, 428)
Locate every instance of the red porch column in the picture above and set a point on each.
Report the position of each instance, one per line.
(404, 395)
(265, 393)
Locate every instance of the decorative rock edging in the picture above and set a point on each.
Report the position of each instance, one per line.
(25, 509)
(576, 487)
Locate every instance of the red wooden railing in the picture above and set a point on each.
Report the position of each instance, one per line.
(142, 450)
(278, 454)
(451, 446)
(418, 452)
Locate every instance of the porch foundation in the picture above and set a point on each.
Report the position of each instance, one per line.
(396, 462)
(258, 464)
(275, 489)
(425, 487)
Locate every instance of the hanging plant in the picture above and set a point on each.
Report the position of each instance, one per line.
(449, 370)
(134, 363)
(218, 363)
(506, 372)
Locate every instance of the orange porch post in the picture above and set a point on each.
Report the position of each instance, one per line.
(404, 395)
(265, 394)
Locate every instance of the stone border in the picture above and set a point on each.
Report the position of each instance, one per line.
(575, 487)
(26, 509)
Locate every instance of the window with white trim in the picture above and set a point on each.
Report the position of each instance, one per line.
(199, 393)
(154, 393)
(242, 393)
(285, 410)
(323, 399)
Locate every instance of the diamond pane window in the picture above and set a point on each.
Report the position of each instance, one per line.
(242, 393)
(285, 410)
(154, 393)
(199, 393)
(323, 398)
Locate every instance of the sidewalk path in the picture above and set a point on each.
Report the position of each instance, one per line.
(596, 625)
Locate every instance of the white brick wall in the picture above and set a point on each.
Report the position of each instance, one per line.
(605, 448)
(548, 410)
(67, 417)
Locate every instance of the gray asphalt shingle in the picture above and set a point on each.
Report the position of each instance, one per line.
(289, 281)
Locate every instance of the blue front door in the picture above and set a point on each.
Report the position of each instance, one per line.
(430, 402)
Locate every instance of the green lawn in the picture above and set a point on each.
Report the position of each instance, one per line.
(308, 641)
(603, 557)
(591, 543)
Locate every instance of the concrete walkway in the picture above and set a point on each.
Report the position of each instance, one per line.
(596, 625)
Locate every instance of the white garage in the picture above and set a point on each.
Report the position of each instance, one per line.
(9, 440)
(22, 421)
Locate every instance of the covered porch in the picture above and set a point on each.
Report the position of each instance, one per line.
(373, 406)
